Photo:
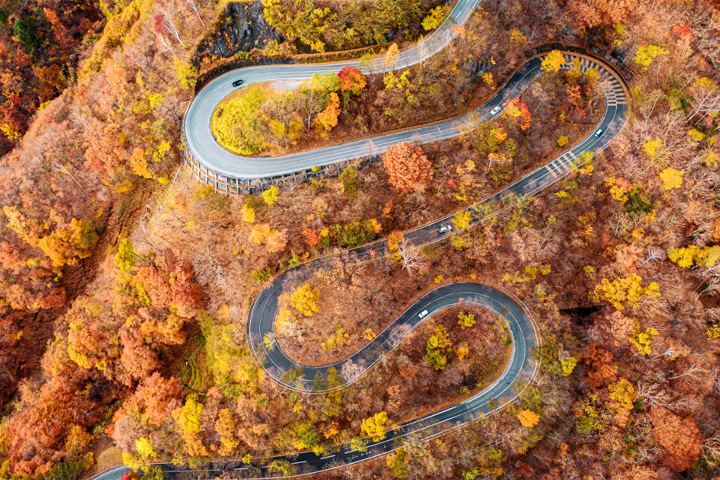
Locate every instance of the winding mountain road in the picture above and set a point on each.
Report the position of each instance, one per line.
(522, 367)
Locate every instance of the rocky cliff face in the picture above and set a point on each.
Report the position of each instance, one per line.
(240, 28)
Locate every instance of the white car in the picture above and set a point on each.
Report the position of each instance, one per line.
(496, 110)
(445, 228)
(423, 314)
(599, 132)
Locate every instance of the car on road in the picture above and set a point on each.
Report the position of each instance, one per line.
(599, 132)
(237, 83)
(423, 314)
(445, 228)
(496, 110)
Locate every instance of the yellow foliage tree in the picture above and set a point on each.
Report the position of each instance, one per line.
(374, 427)
(622, 392)
(652, 148)
(692, 255)
(271, 195)
(10, 132)
(553, 61)
(592, 75)
(713, 331)
(528, 418)
(125, 258)
(626, 291)
(68, 245)
(466, 320)
(186, 74)
(516, 36)
(435, 17)
(225, 426)
(248, 213)
(305, 300)
(695, 135)
(462, 220)
(643, 340)
(145, 448)
(188, 419)
(568, 365)
(646, 55)
(671, 178)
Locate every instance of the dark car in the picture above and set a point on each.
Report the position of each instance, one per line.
(237, 83)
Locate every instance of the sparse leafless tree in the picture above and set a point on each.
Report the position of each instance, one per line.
(711, 447)
(412, 257)
(195, 9)
(654, 253)
(166, 43)
(694, 374)
(654, 394)
(169, 23)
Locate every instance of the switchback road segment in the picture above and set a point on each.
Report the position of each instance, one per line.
(522, 366)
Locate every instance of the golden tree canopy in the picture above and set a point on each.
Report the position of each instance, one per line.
(374, 427)
(528, 418)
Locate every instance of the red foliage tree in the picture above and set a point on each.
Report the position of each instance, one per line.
(352, 81)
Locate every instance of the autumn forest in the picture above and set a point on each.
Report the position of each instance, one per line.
(127, 280)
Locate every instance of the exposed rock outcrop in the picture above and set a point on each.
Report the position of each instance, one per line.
(240, 28)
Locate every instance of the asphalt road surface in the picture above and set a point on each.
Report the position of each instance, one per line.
(197, 122)
(285, 371)
(201, 143)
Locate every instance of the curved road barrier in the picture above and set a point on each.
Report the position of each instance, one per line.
(230, 171)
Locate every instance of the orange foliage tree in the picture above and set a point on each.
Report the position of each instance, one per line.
(680, 437)
(328, 118)
(408, 168)
(517, 109)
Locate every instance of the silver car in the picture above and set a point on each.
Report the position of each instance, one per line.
(496, 110)
(445, 228)
(599, 132)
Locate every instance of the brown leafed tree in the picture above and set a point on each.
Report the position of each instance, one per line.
(408, 167)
